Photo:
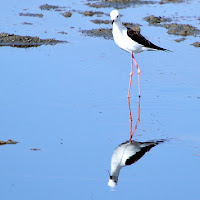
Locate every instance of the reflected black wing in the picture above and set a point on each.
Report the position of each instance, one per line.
(137, 37)
(138, 155)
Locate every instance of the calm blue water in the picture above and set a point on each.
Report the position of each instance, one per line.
(70, 101)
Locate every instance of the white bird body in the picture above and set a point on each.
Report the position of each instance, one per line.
(123, 40)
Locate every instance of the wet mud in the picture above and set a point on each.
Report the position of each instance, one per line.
(182, 29)
(196, 44)
(107, 32)
(51, 7)
(31, 15)
(12, 40)
(99, 21)
(67, 14)
(156, 20)
(171, 1)
(8, 142)
(180, 40)
(100, 32)
(35, 149)
(173, 28)
(118, 4)
(92, 13)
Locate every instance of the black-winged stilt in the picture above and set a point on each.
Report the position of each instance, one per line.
(130, 41)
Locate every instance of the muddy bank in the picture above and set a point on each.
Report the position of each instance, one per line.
(25, 41)
(8, 142)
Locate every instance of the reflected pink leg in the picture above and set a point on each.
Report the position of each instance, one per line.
(130, 119)
(131, 74)
(138, 70)
(137, 122)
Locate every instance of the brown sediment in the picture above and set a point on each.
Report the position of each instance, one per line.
(8, 142)
(180, 40)
(51, 7)
(181, 29)
(31, 15)
(12, 40)
(118, 4)
(196, 44)
(156, 20)
(105, 32)
(67, 14)
(35, 149)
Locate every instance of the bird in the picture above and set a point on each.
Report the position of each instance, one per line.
(128, 153)
(131, 41)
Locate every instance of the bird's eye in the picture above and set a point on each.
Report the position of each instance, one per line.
(117, 15)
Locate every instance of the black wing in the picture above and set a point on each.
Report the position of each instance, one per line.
(136, 36)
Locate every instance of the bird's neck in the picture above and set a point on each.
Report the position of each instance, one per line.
(118, 25)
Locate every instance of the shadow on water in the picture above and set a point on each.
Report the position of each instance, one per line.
(129, 152)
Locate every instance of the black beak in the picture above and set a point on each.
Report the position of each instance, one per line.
(112, 21)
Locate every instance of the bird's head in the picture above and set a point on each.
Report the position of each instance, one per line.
(114, 15)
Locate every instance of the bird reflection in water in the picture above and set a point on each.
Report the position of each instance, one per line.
(129, 152)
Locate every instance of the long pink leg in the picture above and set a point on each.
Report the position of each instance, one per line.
(138, 70)
(131, 74)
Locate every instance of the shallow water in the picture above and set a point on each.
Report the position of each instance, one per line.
(70, 101)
